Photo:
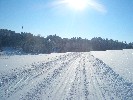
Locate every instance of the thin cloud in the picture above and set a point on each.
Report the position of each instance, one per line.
(97, 6)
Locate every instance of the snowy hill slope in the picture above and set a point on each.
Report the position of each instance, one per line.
(69, 76)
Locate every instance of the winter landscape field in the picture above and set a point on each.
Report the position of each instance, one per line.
(96, 75)
(66, 50)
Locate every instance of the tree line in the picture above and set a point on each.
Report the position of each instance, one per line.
(30, 43)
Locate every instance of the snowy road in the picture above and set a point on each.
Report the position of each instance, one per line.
(70, 76)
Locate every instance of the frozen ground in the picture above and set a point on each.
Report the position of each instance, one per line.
(69, 76)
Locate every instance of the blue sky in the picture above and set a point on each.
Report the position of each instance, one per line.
(111, 19)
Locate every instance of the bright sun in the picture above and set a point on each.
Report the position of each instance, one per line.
(77, 4)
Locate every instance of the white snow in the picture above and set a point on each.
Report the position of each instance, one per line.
(18, 61)
(121, 61)
(104, 75)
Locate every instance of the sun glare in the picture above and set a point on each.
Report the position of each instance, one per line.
(77, 4)
(81, 5)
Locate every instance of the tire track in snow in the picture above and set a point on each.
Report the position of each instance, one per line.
(59, 82)
(70, 82)
(78, 89)
(67, 78)
(28, 75)
(113, 86)
(48, 80)
(73, 76)
(95, 84)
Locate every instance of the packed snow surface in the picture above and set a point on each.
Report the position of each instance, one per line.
(66, 76)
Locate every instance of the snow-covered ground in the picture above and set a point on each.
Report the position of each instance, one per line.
(19, 61)
(121, 61)
(67, 76)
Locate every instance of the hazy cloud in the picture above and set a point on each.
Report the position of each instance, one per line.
(97, 6)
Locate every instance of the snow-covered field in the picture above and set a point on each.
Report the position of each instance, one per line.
(105, 75)
(121, 61)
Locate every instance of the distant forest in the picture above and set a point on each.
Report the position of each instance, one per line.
(30, 43)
